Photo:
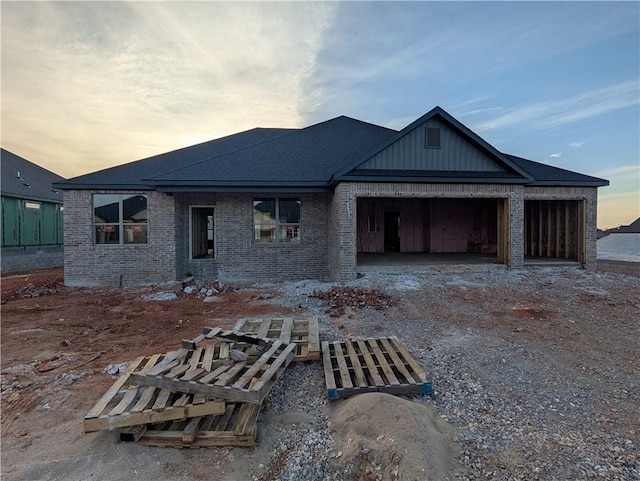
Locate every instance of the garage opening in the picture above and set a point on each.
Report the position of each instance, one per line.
(459, 229)
(554, 229)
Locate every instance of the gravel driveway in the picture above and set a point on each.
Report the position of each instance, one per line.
(538, 370)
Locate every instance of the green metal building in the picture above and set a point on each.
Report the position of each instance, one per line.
(32, 216)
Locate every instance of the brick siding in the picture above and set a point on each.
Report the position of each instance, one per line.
(29, 261)
(619, 267)
(328, 234)
(238, 257)
(88, 264)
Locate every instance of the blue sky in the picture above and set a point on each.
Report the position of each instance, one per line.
(88, 85)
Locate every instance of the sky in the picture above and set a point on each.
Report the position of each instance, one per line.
(89, 85)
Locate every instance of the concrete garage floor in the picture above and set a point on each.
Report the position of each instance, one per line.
(396, 262)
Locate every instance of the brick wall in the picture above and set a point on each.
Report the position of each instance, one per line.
(516, 232)
(238, 257)
(342, 235)
(87, 264)
(619, 267)
(27, 261)
(327, 249)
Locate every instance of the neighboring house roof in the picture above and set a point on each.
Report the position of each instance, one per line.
(621, 247)
(314, 158)
(25, 180)
(633, 228)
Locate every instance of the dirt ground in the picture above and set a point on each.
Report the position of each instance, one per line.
(57, 341)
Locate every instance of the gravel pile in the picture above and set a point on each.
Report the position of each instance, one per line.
(305, 449)
(523, 364)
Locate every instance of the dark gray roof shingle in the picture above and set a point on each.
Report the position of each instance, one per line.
(34, 183)
(130, 175)
(307, 156)
(548, 175)
(317, 156)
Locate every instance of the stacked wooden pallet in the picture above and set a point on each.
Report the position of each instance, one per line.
(208, 392)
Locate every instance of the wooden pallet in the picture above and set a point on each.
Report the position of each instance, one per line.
(370, 365)
(304, 333)
(236, 427)
(245, 381)
(127, 404)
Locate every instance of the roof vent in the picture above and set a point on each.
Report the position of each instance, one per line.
(433, 138)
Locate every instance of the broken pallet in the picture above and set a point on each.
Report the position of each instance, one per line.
(128, 404)
(371, 365)
(236, 427)
(304, 333)
(246, 381)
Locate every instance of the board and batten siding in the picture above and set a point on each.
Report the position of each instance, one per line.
(410, 153)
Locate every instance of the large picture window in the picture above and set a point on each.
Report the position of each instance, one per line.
(120, 218)
(276, 220)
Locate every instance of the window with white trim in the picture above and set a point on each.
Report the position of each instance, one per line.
(120, 218)
(276, 220)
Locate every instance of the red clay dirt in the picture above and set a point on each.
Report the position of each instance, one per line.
(49, 330)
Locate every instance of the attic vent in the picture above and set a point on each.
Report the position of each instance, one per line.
(433, 138)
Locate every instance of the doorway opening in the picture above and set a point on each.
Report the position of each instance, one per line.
(392, 231)
(202, 232)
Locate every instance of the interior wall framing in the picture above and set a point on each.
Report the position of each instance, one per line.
(553, 229)
(429, 225)
(582, 205)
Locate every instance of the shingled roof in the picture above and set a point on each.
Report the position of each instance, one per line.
(25, 180)
(314, 158)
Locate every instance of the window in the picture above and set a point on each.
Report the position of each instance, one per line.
(276, 220)
(202, 232)
(433, 138)
(120, 219)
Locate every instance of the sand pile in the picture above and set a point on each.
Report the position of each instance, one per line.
(390, 438)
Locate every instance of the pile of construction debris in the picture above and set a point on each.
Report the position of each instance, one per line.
(30, 290)
(210, 391)
(203, 290)
(339, 298)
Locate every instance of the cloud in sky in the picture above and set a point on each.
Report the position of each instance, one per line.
(622, 171)
(87, 85)
(555, 155)
(546, 115)
(151, 76)
(373, 47)
(577, 144)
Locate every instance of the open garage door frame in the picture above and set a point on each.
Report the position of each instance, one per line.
(555, 229)
(434, 226)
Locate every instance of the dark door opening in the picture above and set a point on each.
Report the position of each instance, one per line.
(392, 231)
